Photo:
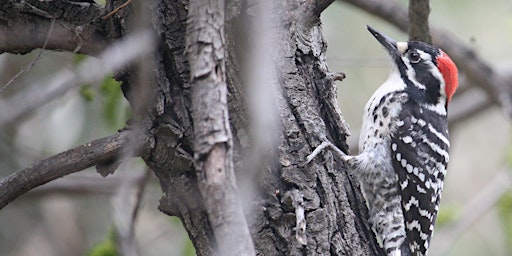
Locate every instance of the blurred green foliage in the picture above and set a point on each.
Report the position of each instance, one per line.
(188, 247)
(509, 157)
(114, 113)
(447, 214)
(505, 208)
(107, 247)
(109, 95)
(79, 58)
(87, 92)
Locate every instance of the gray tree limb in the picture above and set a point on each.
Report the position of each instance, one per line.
(418, 17)
(29, 22)
(90, 154)
(213, 144)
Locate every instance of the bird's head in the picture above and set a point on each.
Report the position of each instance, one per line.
(426, 69)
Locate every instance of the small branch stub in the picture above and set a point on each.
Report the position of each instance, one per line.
(337, 76)
(300, 228)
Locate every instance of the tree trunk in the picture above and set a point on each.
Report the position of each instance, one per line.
(333, 209)
(290, 208)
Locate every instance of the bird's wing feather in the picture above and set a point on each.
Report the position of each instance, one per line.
(420, 155)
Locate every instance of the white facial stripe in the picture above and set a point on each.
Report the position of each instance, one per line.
(411, 73)
(424, 55)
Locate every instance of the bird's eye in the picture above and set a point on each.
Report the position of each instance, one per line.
(414, 57)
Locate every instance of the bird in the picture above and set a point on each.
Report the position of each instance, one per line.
(404, 145)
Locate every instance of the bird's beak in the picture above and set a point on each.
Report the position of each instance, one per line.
(388, 43)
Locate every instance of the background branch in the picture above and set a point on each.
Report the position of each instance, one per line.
(28, 24)
(311, 11)
(126, 204)
(418, 17)
(73, 160)
(113, 58)
(473, 211)
(87, 184)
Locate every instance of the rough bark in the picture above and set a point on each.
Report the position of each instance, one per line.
(53, 25)
(213, 144)
(315, 209)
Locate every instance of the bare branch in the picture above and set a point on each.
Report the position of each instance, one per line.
(418, 25)
(28, 25)
(475, 68)
(391, 11)
(86, 183)
(315, 8)
(113, 58)
(468, 104)
(73, 160)
(33, 63)
(213, 145)
(126, 205)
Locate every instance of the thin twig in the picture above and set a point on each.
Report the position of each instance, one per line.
(117, 9)
(126, 206)
(79, 184)
(34, 62)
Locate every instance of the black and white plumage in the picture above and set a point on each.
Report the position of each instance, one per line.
(404, 145)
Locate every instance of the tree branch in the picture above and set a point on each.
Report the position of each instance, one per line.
(113, 58)
(316, 7)
(391, 11)
(26, 26)
(125, 208)
(87, 184)
(468, 104)
(418, 25)
(213, 145)
(475, 68)
(74, 160)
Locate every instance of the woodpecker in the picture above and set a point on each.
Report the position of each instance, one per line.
(403, 145)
